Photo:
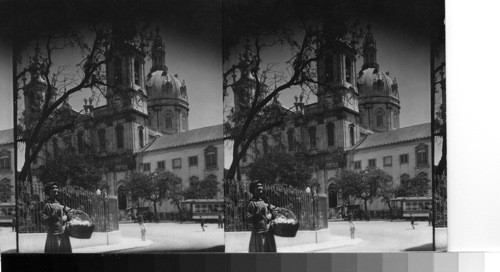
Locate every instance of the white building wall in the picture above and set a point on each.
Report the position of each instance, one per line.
(186, 171)
(397, 169)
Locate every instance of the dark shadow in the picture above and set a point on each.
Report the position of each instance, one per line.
(425, 247)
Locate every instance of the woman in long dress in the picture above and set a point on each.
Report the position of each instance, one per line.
(54, 216)
(259, 213)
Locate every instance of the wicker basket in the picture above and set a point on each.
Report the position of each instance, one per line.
(78, 230)
(283, 229)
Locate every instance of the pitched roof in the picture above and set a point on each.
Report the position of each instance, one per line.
(7, 136)
(194, 136)
(405, 134)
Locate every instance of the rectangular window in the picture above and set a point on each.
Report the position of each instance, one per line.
(357, 165)
(160, 165)
(422, 157)
(388, 161)
(102, 139)
(312, 137)
(403, 159)
(372, 163)
(211, 159)
(177, 163)
(193, 161)
(5, 163)
(331, 134)
(146, 167)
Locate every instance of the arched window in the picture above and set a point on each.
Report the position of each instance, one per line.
(312, 137)
(422, 154)
(379, 85)
(404, 177)
(351, 134)
(422, 175)
(380, 118)
(117, 67)
(328, 68)
(102, 139)
(122, 198)
(5, 160)
(193, 180)
(330, 131)
(119, 137)
(291, 140)
(183, 122)
(212, 177)
(141, 136)
(211, 157)
(332, 196)
(168, 120)
(137, 72)
(348, 69)
(80, 142)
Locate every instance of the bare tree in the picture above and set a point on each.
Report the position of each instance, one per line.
(260, 82)
(47, 85)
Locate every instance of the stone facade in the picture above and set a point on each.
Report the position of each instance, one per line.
(138, 111)
(330, 132)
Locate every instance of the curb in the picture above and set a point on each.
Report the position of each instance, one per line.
(336, 241)
(127, 243)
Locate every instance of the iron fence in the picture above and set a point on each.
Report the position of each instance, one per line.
(310, 210)
(103, 210)
(440, 202)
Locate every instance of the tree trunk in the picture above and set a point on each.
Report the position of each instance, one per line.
(366, 209)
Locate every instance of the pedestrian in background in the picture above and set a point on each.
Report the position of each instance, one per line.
(202, 221)
(412, 221)
(353, 229)
(220, 219)
(140, 219)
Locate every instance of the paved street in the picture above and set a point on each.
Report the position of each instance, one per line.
(384, 236)
(176, 237)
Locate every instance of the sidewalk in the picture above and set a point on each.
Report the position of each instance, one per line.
(127, 243)
(336, 241)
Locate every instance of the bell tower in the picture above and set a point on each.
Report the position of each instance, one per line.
(125, 73)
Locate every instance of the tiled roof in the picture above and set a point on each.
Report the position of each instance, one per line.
(185, 138)
(7, 136)
(405, 134)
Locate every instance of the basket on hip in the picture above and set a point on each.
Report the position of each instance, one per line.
(285, 223)
(80, 225)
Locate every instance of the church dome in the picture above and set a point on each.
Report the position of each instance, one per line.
(162, 84)
(372, 81)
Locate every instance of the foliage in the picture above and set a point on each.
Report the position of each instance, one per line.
(365, 185)
(440, 201)
(281, 167)
(347, 182)
(80, 171)
(272, 28)
(154, 186)
(416, 186)
(202, 189)
(6, 190)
